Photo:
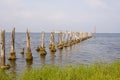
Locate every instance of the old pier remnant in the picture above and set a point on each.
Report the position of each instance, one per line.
(66, 42)
(52, 45)
(28, 53)
(61, 43)
(42, 47)
(2, 47)
(12, 55)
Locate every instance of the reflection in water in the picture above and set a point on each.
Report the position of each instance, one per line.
(74, 47)
(42, 57)
(13, 72)
(29, 63)
(60, 56)
(70, 48)
(52, 55)
(23, 56)
(66, 51)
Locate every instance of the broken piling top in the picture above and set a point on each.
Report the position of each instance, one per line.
(42, 43)
(13, 40)
(28, 41)
(2, 46)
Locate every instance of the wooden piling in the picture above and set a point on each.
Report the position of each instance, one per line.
(81, 36)
(77, 40)
(2, 45)
(52, 46)
(2, 33)
(12, 55)
(66, 43)
(28, 53)
(60, 45)
(42, 44)
(89, 35)
(42, 47)
(71, 39)
(57, 44)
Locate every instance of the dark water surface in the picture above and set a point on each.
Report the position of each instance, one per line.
(103, 48)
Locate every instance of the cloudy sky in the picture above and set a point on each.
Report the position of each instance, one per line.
(49, 15)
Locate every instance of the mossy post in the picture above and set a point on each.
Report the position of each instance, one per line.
(42, 47)
(12, 55)
(28, 53)
(60, 45)
(52, 46)
(2, 46)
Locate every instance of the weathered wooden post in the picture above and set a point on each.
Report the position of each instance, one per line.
(77, 37)
(71, 41)
(84, 35)
(42, 47)
(28, 53)
(74, 38)
(89, 35)
(66, 43)
(12, 55)
(2, 45)
(60, 46)
(52, 46)
(2, 42)
(81, 36)
(57, 44)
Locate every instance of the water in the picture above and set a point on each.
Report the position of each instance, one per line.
(103, 48)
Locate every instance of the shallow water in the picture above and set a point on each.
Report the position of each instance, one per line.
(103, 48)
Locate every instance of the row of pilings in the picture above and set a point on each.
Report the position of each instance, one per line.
(71, 38)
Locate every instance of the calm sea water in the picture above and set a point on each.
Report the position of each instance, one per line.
(103, 48)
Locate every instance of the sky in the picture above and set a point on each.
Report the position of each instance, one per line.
(63, 15)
